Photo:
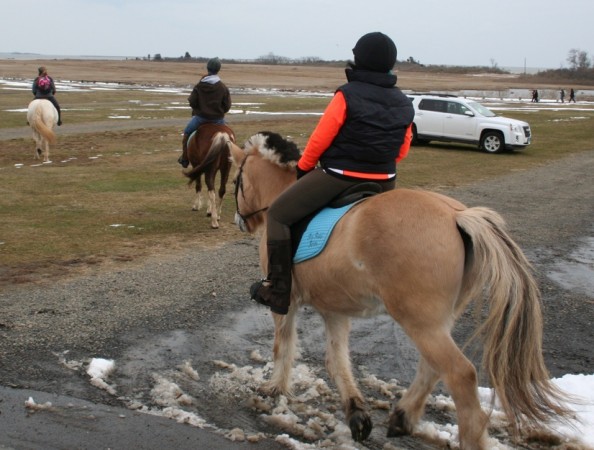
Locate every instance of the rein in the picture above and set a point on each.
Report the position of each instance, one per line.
(238, 189)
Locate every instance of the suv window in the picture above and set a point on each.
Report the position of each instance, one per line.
(428, 104)
(457, 108)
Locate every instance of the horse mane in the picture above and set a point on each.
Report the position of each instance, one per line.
(275, 148)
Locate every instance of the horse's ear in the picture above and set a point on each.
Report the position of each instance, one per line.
(237, 153)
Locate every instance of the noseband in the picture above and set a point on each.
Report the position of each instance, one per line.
(239, 188)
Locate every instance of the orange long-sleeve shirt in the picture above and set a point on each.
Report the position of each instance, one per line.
(327, 129)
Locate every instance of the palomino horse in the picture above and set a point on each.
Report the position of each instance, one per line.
(208, 153)
(421, 257)
(42, 116)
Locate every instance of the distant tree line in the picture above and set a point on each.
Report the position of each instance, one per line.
(269, 59)
(272, 59)
(581, 69)
(580, 65)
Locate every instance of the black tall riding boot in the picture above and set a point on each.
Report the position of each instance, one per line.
(275, 291)
(57, 106)
(183, 159)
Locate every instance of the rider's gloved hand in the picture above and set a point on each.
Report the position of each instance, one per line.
(301, 172)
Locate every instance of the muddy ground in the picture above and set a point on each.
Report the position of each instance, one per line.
(192, 305)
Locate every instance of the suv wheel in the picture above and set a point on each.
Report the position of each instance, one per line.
(415, 137)
(492, 142)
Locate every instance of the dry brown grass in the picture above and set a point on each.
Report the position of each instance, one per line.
(57, 219)
(250, 75)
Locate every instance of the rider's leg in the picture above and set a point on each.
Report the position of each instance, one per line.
(310, 193)
(183, 159)
(52, 99)
(192, 126)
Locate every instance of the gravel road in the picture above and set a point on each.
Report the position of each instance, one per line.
(192, 305)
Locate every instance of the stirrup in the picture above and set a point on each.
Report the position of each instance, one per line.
(256, 295)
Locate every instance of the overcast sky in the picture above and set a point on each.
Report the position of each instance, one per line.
(509, 33)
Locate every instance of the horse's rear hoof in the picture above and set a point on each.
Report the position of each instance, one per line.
(360, 425)
(398, 424)
(272, 390)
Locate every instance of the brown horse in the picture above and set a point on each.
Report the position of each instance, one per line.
(421, 257)
(42, 117)
(208, 153)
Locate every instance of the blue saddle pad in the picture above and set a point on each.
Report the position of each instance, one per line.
(318, 231)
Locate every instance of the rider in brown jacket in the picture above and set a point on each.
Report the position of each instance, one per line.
(210, 101)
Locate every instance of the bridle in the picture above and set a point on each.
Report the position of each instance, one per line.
(239, 188)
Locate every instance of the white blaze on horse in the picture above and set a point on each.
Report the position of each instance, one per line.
(42, 117)
(420, 257)
(209, 154)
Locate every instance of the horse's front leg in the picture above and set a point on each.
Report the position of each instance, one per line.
(338, 364)
(283, 354)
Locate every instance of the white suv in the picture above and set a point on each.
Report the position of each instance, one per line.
(441, 117)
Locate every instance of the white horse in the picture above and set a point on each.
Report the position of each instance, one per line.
(42, 116)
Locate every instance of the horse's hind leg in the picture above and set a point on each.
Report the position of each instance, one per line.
(338, 365)
(212, 207)
(38, 152)
(197, 205)
(410, 408)
(46, 151)
(212, 200)
(441, 353)
(224, 174)
(283, 354)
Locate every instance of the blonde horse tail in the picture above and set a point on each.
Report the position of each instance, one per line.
(512, 331)
(46, 132)
(219, 144)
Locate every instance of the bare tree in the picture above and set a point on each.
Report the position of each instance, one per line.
(271, 58)
(578, 59)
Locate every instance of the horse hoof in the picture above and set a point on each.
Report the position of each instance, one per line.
(398, 425)
(270, 390)
(360, 425)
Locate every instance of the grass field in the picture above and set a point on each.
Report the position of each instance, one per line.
(116, 196)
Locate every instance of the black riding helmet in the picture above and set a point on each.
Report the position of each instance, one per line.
(376, 52)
